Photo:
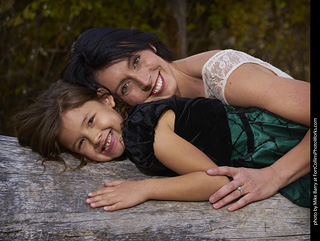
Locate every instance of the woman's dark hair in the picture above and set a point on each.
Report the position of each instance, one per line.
(97, 48)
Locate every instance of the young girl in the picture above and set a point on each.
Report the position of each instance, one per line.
(175, 136)
(137, 67)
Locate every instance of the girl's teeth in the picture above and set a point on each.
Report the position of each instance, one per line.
(158, 85)
(108, 141)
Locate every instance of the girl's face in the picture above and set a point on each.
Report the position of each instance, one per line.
(93, 130)
(142, 78)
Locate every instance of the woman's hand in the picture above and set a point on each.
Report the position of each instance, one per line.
(256, 184)
(118, 195)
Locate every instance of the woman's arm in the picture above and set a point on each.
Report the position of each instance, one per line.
(258, 184)
(178, 155)
(253, 85)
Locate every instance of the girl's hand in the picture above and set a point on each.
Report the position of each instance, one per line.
(118, 195)
(256, 184)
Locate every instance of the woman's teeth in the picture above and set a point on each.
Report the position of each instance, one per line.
(109, 138)
(158, 86)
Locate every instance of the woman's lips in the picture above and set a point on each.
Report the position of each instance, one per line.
(159, 86)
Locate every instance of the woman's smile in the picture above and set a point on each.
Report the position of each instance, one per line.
(158, 86)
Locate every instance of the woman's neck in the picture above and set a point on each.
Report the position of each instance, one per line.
(187, 85)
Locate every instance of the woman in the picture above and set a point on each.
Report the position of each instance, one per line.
(137, 67)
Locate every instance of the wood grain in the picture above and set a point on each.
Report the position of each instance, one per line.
(52, 207)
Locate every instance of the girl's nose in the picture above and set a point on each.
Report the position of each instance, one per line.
(95, 138)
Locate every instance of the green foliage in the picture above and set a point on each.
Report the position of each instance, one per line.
(36, 35)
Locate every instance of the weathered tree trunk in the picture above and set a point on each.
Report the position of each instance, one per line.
(52, 207)
(178, 11)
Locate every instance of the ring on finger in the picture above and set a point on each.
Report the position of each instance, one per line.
(240, 189)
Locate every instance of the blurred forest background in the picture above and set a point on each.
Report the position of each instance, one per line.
(36, 36)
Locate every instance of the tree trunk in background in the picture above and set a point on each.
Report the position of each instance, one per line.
(178, 11)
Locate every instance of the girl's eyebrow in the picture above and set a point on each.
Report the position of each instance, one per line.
(85, 118)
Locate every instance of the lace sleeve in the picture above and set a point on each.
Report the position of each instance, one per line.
(218, 68)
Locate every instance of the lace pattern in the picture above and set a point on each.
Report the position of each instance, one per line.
(218, 68)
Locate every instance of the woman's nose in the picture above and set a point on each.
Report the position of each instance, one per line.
(144, 82)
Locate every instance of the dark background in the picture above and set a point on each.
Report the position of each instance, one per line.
(36, 36)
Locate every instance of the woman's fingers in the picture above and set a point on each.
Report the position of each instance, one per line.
(246, 199)
(248, 185)
(223, 171)
(227, 189)
(227, 199)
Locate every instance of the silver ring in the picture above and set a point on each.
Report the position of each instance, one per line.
(240, 189)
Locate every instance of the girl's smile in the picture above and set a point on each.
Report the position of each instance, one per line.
(93, 130)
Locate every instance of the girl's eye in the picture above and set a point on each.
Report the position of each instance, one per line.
(80, 144)
(124, 88)
(136, 61)
(91, 120)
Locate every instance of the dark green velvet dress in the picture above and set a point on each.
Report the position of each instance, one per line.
(229, 136)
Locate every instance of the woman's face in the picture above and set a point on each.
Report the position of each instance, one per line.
(142, 78)
(93, 130)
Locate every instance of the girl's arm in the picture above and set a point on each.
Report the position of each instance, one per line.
(178, 155)
(195, 186)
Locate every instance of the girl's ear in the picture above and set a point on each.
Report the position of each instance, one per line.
(108, 100)
(105, 97)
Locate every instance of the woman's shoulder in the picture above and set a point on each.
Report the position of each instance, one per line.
(223, 63)
(219, 67)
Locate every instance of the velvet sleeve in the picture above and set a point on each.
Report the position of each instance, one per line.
(202, 122)
(138, 135)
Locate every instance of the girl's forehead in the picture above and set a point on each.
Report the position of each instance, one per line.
(89, 105)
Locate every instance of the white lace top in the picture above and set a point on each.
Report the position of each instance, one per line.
(218, 68)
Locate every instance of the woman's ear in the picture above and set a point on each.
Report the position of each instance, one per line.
(101, 92)
(153, 48)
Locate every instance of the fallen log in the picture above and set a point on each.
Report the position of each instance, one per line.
(52, 206)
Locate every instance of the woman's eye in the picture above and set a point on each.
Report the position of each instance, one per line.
(136, 61)
(91, 120)
(124, 88)
(80, 144)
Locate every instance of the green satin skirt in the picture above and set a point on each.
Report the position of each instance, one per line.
(260, 138)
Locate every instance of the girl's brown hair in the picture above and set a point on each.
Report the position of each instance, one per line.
(39, 124)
